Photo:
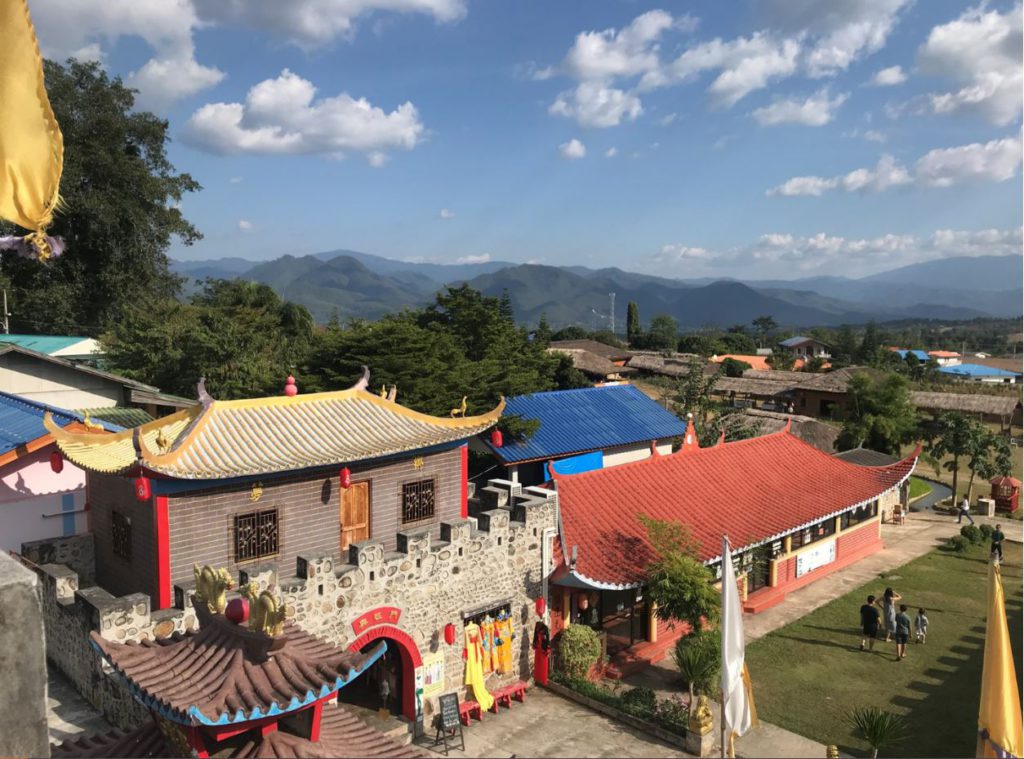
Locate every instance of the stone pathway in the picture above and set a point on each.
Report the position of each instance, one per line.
(67, 713)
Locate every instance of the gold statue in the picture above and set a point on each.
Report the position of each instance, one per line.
(90, 424)
(832, 752)
(162, 442)
(393, 393)
(701, 721)
(211, 585)
(266, 613)
(383, 391)
(461, 410)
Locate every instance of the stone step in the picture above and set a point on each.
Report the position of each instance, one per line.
(396, 727)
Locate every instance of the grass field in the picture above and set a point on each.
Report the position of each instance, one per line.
(919, 487)
(808, 675)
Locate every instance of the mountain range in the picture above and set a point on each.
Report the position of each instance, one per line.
(353, 284)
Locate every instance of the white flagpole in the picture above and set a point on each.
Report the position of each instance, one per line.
(726, 562)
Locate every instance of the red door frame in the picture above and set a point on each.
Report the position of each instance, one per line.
(408, 653)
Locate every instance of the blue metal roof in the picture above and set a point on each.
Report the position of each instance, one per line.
(48, 344)
(977, 370)
(798, 340)
(919, 354)
(21, 420)
(589, 419)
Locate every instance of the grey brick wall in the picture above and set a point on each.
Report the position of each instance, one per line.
(105, 494)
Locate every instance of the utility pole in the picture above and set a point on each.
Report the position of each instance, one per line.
(7, 329)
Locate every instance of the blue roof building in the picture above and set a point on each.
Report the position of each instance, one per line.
(918, 354)
(585, 429)
(979, 373)
(21, 421)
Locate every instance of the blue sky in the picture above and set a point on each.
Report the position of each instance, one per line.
(772, 138)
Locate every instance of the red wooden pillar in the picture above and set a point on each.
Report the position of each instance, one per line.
(318, 712)
(161, 522)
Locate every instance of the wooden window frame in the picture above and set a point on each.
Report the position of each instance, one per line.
(121, 535)
(433, 501)
(256, 514)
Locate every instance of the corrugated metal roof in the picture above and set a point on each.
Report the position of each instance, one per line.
(21, 420)
(977, 370)
(589, 419)
(919, 354)
(48, 344)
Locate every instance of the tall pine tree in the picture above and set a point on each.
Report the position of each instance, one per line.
(633, 331)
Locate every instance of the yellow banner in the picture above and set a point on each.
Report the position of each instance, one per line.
(999, 717)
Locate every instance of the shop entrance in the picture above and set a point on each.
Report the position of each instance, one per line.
(397, 666)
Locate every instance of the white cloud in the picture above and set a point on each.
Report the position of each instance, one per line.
(980, 52)
(817, 110)
(611, 152)
(572, 149)
(630, 51)
(889, 77)
(446, 214)
(482, 258)
(283, 115)
(995, 161)
(784, 253)
(377, 158)
(668, 119)
(88, 28)
(313, 23)
(244, 225)
(873, 135)
(592, 104)
(235, 180)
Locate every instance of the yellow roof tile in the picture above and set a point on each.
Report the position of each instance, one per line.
(265, 435)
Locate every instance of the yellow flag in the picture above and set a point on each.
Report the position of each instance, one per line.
(999, 718)
(31, 145)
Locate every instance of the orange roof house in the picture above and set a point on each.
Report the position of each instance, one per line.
(756, 362)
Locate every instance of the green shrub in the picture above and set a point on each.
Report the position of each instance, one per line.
(971, 533)
(698, 657)
(578, 649)
(958, 544)
(986, 531)
(672, 714)
(641, 698)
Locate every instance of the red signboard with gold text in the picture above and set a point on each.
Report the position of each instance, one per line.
(382, 615)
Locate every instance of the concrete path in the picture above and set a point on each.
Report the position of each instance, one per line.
(67, 713)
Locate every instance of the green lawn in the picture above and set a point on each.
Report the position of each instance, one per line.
(808, 675)
(919, 487)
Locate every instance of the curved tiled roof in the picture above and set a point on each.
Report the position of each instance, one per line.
(257, 436)
(225, 674)
(753, 490)
(342, 734)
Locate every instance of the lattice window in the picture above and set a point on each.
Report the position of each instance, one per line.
(417, 501)
(121, 535)
(256, 535)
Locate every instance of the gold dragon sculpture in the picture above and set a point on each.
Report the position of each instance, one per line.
(211, 585)
(266, 613)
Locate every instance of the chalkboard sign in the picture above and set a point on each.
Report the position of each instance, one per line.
(449, 721)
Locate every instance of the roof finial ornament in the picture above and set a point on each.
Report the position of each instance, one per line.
(383, 391)
(393, 393)
(90, 424)
(290, 388)
(203, 397)
(460, 410)
(364, 381)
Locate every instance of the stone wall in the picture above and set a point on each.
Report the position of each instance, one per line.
(471, 564)
(76, 552)
(23, 729)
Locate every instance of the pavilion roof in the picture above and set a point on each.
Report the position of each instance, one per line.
(754, 490)
(225, 673)
(255, 436)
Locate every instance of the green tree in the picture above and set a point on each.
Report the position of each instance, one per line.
(870, 346)
(663, 334)
(879, 414)
(542, 335)
(845, 347)
(877, 728)
(781, 360)
(120, 211)
(572, 332)
(738, 342)
(698, 657)
(677, 581)
(957, 436)
(764, 326)
(702, 345)
(633, 329)
(734, 368)
(990, 456)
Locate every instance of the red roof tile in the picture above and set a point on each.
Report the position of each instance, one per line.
(754, 490)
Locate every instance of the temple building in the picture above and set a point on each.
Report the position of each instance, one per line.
(267, 689)
(353, 507)
(793, 513)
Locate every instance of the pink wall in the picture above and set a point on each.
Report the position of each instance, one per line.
(30, 489)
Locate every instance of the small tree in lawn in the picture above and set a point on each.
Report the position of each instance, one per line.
(957, 437)
(677, 582)
(877, 728)
(990, 456)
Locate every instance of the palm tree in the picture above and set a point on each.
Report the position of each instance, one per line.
(877, 728)
(698, 658)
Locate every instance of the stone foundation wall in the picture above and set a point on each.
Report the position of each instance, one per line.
(475, 563)
(76, 552)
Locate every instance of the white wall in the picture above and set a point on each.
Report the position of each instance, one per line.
(57, 385)
(29, 488)
(635, 452)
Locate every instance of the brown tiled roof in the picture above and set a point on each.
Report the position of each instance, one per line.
(342, 734)
(224, 673)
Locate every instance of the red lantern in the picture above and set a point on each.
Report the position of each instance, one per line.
(56, 462)
(449, 633)
(540, 606)
(142, 488)
(346, 478)
(237, 610)
(496, 438)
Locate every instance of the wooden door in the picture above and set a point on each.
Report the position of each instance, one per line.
(355, 513)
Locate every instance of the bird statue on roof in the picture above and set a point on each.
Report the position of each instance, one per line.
(162, 442)
(393, 393)
(90, 424)
(383, 391)
(461, 410)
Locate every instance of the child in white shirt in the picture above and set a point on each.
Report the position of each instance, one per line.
(921, 625)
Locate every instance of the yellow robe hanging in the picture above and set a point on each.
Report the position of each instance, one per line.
(487, 634)
(503, 651)
(474, 669)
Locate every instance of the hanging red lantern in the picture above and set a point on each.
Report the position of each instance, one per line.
(346, 477)
(449, 633)
(56, 462)
(583, 602)
(496, 438)
(142, 488)
(540, 606)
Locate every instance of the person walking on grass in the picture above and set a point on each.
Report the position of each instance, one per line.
(869, 624)
(965, 511)
(921, 625)
(888, 607)
(997, 542)
(902, 632)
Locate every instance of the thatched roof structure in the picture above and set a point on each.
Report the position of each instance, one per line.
(822, 436)
(592, 364)
(753, 387)
(610, 352)
(970, 403)
(777, 376)
(676, 365)
(832, 382)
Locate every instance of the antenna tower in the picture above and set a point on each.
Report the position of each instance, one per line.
(611, 313)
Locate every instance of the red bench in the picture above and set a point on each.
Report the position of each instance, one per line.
(469, 709)
(505, 695)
